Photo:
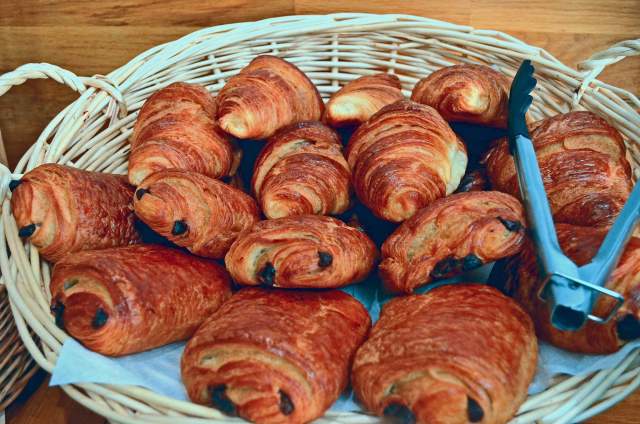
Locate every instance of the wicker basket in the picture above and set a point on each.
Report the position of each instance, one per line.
(92, 133)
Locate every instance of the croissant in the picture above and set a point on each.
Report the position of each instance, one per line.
(193, 211)
(466, 93)
(455, 234)
(275, 356)
(130, 299)
(266, 95)
(359, 99)
(460, 353)
(301, 251)
(524, 282)
(583, 165)
(403, 158)
(63, 209)
(302, 171)
(176, 129)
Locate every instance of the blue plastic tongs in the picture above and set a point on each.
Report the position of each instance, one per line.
(570, 291)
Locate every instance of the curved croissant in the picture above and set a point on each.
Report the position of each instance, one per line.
(403, 158)
(176, 129)
(466, 93)
(455, 234)
(275, 356)
(460, 353)
(130, 299)
(583, 166)
(63, 209)
(301, 251)
(199, 213)
(266, 95)
(359, 99)
(581, 244)
(302, 171)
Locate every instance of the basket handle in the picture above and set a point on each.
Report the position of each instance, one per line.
(600, 60)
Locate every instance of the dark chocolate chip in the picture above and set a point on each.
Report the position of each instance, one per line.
(58, 310)
(268, 274)
(513, 226)
(13, 184)
(628, 328)
(27, 230)
(286, 405)
(445, 267)
(221, 402)
(226, 179)
(141, 192)
(399, 413)
(474, 411)
(100, 319)
(325, 259)
(179, 227)
(470, 262)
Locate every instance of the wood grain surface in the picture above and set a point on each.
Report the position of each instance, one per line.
(94, 37)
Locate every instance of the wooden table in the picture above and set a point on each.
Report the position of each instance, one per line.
(94, 37)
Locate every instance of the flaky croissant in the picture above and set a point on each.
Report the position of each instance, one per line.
(194, 211)
(275, 356)
(176, 129)
(301, 251)
(403, 158)
(455, 234)
(583, 165)
(268, 94)
(302, 171)
(63, 210)
(466, 93)
(130, 299)
(460, 353)
(359, 99)
(523, 282)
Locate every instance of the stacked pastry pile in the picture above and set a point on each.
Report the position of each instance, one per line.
(284, 350)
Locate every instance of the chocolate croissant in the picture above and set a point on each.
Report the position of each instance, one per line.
(403, 158)
(455, 234)
(475, 94)
(63, 210)
(460, 353)
(359, 99)
(275, 356)
(301, 251)
(193, 211)
(176, 129)
(130, 299)
(268, 94)
(302, 171)
(524, 282)
(583, 165)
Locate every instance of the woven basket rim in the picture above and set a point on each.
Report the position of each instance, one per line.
(109, 93)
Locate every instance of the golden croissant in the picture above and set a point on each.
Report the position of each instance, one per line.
(302, 171)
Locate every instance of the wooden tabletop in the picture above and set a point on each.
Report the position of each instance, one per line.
(94, 37)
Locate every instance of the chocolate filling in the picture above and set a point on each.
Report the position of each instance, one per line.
(100, 318)
(141, 192)
(325, 259)
(470, 262)
(27, 230)
(179, 227)
(628, 328)
(221, 402)
(399, 413)
(267, 274)
(286, 405)
(445, 267)
(13, 184)
(58, 310)
(513, 226)
(474, 411)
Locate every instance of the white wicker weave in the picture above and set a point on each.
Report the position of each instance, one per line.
(92, 133)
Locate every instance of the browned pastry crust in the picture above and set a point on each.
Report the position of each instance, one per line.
(581, 244)
(583, 165)
(455, 234)
(474, 180)
(63, 209)
(460, 353)
(275, 356)
(130, 299)
(359, 99)
(266, 95)
(466, 93)
(176, 129)
(197, 212)
(301, 251)
(403, 158)
(302, 171)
